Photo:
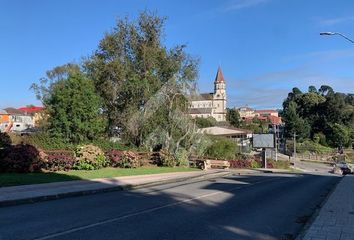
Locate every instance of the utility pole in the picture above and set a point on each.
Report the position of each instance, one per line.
(276, 141)
(294, 154)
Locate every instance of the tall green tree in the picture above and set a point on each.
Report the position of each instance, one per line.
(73, 106)
(339, 136)
(319, 110)
(233, 117)
(131, 65)
(294, 123)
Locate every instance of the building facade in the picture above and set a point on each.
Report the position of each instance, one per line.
(248, 114)
(211, 104)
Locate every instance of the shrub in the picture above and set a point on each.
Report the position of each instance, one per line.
(5, 140)
(167, 159)
(114, 157)
(256, 164)
(182, 157)
(20, 158)
(42, 140)
(60, 161)
(221, 148)
(129, 160)
(240, 164)
(279, 164)
(89, 157)
(107, 144)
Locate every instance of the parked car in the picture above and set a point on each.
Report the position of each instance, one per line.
(344, 167)
(27, 131)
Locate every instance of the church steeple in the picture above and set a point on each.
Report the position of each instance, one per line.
(219, 76)
(219, 97)
(219, 83)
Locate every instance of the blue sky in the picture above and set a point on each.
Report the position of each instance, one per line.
(265, 47)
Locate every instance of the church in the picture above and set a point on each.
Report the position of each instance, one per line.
(211, 104)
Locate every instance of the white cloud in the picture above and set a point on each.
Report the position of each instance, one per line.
(335, 21)
(327, 55)
(241, 4)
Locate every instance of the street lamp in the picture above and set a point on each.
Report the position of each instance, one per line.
(336, 33)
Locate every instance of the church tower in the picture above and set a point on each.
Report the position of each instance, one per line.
(219, 97)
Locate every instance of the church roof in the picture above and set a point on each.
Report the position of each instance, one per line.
(200, 110)
(202, 97)
(219, 76)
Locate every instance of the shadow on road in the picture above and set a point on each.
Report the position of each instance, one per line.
(266, 206)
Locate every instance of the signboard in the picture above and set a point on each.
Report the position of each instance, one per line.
(263, 140)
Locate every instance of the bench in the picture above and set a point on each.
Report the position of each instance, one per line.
(209, 164)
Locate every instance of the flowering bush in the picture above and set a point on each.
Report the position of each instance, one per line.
(60, 161)
(20, 158)
(114, 157)
(240, 164)
(89, 157)
(129, 160)
(167, 159)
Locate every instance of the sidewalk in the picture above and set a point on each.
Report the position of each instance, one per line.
(47, 191)
(336, 218)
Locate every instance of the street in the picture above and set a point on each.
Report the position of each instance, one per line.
(257, 206)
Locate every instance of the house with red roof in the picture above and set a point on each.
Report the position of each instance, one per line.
(265, 115)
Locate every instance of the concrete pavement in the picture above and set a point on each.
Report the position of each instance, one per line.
(47, 191)
(335, 220)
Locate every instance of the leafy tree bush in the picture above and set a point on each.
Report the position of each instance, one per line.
(339, 135)
(240, 164)
(320, 138)
(114, 157)
(309, 146)
(129, 160)
(182, 158)
(321, 111)
(132, 64)
(205, 122)
(21, 158)
(256, 164)
(167, 159)
(43, 140)
(72, 104)
(5, 140)
(123, 159)
(279, 164)
(89, 157)
(221, 148)
(59, 161)
(233, 117)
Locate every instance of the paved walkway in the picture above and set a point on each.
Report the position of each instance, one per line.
(39, 192)
(336, 218)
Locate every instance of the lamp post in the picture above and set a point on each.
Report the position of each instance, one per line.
(336, 33)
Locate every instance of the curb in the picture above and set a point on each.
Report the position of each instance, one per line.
(313, 217)
(126, 187)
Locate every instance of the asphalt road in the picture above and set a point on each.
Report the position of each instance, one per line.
(264, 206)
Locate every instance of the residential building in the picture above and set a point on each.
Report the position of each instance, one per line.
(4, 120)
(211, 104)
(19, 120)
(247, 114)
(37, 113)
(242, 137)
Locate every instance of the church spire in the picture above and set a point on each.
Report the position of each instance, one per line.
(219, 76)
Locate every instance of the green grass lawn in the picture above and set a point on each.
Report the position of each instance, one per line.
(13, 179)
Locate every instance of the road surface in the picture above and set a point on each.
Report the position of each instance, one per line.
(260, 206)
